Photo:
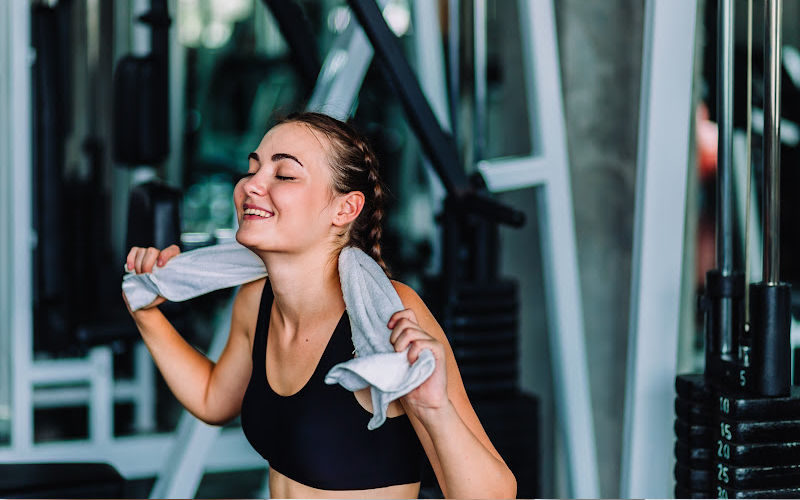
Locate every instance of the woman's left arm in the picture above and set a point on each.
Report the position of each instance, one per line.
(463, 458)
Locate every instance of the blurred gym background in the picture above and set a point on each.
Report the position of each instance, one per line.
(108, 107)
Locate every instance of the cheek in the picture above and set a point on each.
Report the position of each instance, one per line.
(306, 201)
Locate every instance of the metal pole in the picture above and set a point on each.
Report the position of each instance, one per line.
(771, 138)
(453, 65)
(724, 164)
(479, 38)
(725, 137)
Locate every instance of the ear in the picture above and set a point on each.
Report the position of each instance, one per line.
(348, 208)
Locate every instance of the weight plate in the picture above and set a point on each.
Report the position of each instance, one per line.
(488, 322)
(483, 289)
(482, 305)
(686, 493)
(721, 491)
(490, 389)
(490, 353)
(697, 458)
(693, 387)
(694, 413)
(693, 479)
(741, 407)
(488, 370)
(697, 436)
(749, 478)
(776, 431)
(482, 338)
(757, 454)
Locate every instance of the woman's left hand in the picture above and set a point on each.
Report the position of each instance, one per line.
(406, 333)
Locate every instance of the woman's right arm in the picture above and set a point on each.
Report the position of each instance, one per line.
(212, 392)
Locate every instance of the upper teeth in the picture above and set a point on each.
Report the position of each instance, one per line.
(255, 211)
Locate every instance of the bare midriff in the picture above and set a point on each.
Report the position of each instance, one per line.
(281, 486)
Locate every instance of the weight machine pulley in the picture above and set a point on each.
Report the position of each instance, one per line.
(738, 424)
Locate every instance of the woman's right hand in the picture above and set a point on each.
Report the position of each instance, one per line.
(142, 260)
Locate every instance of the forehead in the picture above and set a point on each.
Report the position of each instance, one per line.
(297, 139)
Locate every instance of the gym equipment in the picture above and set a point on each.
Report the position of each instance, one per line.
(738, 424)
(60, 480)
(141, 96)
(470, 267)
(662, 179)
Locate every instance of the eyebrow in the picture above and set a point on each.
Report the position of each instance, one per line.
(276, 157)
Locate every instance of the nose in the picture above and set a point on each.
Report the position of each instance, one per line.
(254, 185)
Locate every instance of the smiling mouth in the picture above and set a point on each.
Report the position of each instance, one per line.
(257, 213)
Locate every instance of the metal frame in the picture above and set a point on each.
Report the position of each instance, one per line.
(18, 223)
(83, 380)
(665, 114)
(547, 169)
(770, 207)
(6, 221)
(297, 32)
(59, 376)
(434, 82)
(342, 73)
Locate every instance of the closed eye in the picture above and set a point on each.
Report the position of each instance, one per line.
(284, 178)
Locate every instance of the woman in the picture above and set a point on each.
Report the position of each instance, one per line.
(312, 188)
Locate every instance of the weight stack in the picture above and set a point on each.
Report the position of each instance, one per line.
(694, 429)
(481, 321)
(757, 446)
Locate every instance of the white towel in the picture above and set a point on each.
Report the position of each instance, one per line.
(369, 296)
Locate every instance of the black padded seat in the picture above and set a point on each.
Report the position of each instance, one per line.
(60, 480)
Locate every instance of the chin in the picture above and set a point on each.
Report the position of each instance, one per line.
(254, 241)
(246, 239)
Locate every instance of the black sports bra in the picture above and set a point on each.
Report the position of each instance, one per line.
(318, 436)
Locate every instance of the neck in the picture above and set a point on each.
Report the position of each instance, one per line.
(306, 287)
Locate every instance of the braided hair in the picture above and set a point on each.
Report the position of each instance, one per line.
(354, 167)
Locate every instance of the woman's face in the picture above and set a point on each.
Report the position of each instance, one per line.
(284, 204)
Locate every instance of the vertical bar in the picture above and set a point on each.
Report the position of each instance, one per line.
(724, 207)
(145, 380)
(17, 197)
(725, 137)
(565, 323)
(771, 138)
(479, 39)
(101, 398)
(665, 114)
(453, 52)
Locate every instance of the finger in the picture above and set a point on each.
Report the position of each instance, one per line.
(409, 335)
(399, 327)
(130, 260)
(168, 253)
(137, 264)
(405, 313)
(420, 345)
(149, 259)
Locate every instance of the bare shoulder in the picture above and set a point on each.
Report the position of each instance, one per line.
(245, 307)
(406, 293)
(409, 297)
(412, 300)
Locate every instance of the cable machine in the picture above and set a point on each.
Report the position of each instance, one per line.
(737, 426)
